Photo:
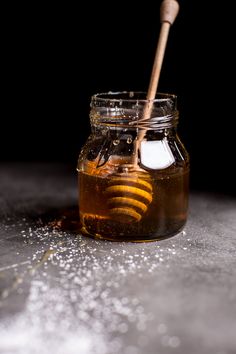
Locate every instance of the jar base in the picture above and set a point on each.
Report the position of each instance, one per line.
(136, 239)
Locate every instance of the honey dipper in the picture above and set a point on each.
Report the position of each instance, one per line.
(129, 194)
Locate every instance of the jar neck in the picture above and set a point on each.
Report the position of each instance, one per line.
(121, 110)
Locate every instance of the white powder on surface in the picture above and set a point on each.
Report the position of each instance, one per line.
(81, 305)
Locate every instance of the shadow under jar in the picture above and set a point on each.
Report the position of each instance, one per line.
(133, 172)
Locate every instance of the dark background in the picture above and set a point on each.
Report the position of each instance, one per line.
(55, 57)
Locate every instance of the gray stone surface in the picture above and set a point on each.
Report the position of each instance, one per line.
(64, 293)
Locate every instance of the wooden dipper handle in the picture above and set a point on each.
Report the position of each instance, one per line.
(168, 12)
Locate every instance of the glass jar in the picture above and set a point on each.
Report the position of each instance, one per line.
(133, 169)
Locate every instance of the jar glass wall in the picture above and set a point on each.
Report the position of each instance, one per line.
(133, 171)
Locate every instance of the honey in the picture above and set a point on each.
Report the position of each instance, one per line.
(165, 215)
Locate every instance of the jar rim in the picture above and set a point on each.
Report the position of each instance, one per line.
(127, 108)
(132, 96)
